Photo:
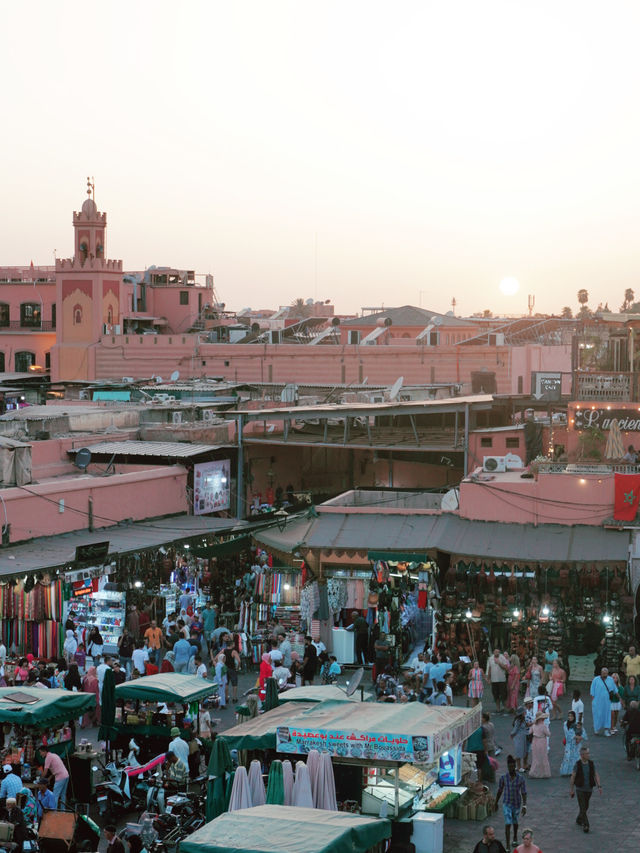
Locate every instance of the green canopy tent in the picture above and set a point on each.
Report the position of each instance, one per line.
(32, 706)
(287, 829)
(167, 687)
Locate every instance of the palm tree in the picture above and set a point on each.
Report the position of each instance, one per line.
(300, 309)
(583, 298)
(567, 313)
(629, 297)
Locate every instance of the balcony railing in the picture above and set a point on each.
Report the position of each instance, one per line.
(42, 326)
(617, 387)
(587, 468)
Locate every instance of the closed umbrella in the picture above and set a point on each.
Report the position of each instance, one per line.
(108, 712)
(220, 763)
(326, 798)
(287, 777)
(271, 700)
(275, 784)
(302, 787)
(614, 448)
(313, 766)
(240, 794)
(256, 784)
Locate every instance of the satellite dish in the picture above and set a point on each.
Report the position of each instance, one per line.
(395, 388)
(159, 380)
(437, 321)
(83, 457)
(175, 376)
(354, 681)
(450, 500)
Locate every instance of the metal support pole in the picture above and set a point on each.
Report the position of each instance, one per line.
(466, 440)
(412, 421)
(240, 480)
(455, 431)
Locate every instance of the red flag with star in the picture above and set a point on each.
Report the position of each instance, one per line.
(627, 496)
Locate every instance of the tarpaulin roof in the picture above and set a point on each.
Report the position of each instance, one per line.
(166, 687)
(442, 726)
(405, 533)
(287, 829)
(318, 693)
(34, 706)
(260, 732)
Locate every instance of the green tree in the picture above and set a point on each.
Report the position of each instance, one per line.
(629, 296)
(583, 298)
(300, 309)
(567, 313)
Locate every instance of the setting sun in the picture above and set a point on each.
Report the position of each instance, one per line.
(509, 286)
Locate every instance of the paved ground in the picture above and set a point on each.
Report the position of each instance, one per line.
(551, 813)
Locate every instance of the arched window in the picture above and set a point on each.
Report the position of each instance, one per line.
(24, 360)
(77, 314)
(4, 315)
(30, 315)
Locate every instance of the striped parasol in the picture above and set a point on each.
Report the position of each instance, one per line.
(614, 448)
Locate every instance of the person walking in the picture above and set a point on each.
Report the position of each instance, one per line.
(527, 845)
(574, 739)
(497, 667)
(540, 768)
(489, 843)
(602, 688)
(533, 677)
(361, 628)
(616, 704)
(476, 684)
(514, 787)
(631, 663)
(558, 678)
(583, 780)
(513, 683)
(518, 735)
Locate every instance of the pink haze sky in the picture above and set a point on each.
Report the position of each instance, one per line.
(365, 152)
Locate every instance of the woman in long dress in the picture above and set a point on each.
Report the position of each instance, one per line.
(476, 683)
(540, 768)
(574, 738)
(90, 685)
(513, 683)
(534, 677)
(519, 737)
(616, 706)
(558, 679)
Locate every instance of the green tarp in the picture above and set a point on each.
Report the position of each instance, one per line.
(166, 687)
(397, 556)
(287, 829)
(33, 706)
(223, 549)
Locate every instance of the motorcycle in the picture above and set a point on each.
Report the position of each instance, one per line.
(126, 788)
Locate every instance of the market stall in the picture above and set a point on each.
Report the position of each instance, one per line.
(31, 616)
(33, 713)
(266, 829)
(381, 737)
(148, 708)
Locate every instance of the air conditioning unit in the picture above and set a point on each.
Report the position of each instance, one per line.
(208, 415)
(275, 336)
(494, 464)
(354, 336)
(496, 339)
(176, 419)
(83, 395)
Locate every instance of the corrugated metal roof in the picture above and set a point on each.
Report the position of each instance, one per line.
(50, 552)
(172, 449)
(454, 535)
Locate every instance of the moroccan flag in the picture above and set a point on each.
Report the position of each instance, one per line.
(627, 496)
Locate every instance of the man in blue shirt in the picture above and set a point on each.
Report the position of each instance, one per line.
(11, 784)
(45, 798)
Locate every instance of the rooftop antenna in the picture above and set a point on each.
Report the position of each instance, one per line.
(453, 306)
(531, 301)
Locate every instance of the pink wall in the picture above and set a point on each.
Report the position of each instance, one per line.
(535, 357)
(406, 335)
(138, 495)
(552, 498)
(49, 458)
(143, 355)
(12, 342)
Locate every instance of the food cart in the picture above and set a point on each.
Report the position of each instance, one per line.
(147, 709)
(380, 737)
(264, 829)
(31, 711)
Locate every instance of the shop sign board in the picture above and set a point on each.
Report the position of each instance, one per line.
(211, 486)
(546, 386)
(354, 744)
(601, 417)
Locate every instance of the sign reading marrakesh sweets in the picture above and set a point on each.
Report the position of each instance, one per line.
(628, 419)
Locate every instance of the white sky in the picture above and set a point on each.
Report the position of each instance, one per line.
(430, 146)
